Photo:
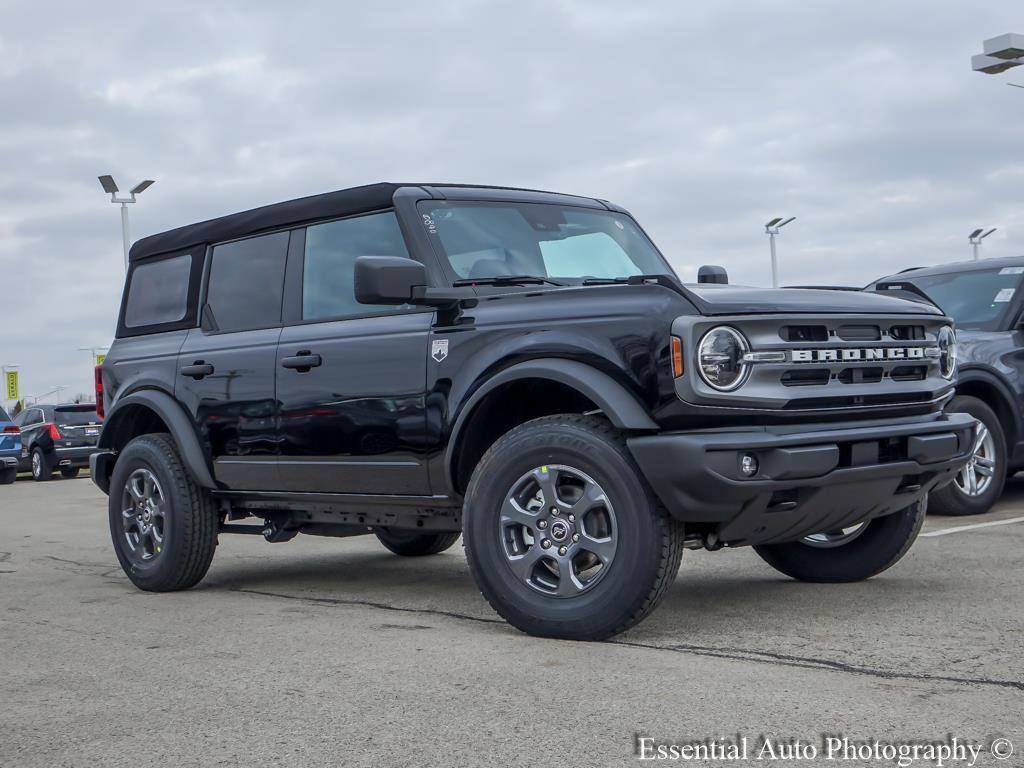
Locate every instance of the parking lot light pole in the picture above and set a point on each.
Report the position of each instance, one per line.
(976, 237)
(1000, 54)
(110, 187)
(771, 229)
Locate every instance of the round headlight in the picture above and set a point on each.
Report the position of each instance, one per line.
(720, 358)
(947, 351)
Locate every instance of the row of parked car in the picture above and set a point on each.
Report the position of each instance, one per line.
(44, 439)
(983, 297)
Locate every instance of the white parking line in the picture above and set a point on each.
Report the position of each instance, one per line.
(962, 528)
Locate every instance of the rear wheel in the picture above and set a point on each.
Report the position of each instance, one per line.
(412, 544)
(851, 554)
(979, 484)
(163, 525)
(7, 476)
(563, 535)
(42, 470)
(70, 473)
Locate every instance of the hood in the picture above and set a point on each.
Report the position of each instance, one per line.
(716, 299)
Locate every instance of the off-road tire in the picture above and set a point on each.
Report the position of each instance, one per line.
(42, 471)
(8, 476)
(71, 473)
(880, 546)
(411, 544)
(190, 535)
(649, 542)
(950, 499)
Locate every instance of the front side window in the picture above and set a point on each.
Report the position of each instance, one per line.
(563, 243)
(329, 266)
(976, 300)
(247, 282)
(158, 292)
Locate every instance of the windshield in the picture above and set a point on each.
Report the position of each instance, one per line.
(977, 301)
(486, 240)
(76, 416)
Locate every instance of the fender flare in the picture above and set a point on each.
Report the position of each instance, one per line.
(620, 405)
(977, 373)
(181, 427)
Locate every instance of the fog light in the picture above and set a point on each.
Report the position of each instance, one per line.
(748, 464)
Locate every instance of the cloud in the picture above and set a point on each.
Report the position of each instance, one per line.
(705, 120)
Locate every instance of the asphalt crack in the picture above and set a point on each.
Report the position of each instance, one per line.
(731, 654)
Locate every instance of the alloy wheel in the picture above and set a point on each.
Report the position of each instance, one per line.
(977, 474)
(558, 531)
(143, 515)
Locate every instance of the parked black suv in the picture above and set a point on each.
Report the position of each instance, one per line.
(986, 301)
(523, 367)
(57, 438)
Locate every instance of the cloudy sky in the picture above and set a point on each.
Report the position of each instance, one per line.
(704, 119)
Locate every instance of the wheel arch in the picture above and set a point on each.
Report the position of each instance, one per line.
(537, 388)
(986, 386)
(145, 412)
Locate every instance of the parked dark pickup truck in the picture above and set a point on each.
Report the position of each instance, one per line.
(523, 368)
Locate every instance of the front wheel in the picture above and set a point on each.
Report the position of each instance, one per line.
(852, 554)
(979, 484)
(163, 525)
(563, 536)
(412, 544)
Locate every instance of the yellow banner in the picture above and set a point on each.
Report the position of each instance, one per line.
(100, 358)
(11, 380)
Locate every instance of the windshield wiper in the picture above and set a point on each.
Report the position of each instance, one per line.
(506, 280)
(631, 280)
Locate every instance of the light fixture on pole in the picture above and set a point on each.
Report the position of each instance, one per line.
(771, 229)
(976, 237)
(110, 187)
(1000, 54)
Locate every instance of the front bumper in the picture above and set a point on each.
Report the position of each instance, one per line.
(810, 478)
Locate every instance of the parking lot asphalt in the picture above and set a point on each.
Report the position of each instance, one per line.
(327, 652)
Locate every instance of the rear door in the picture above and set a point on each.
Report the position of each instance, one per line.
(226, 367)
(351, 378)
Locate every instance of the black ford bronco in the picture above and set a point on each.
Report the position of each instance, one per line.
(523, 368)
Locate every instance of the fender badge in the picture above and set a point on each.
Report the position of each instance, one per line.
(439, 349)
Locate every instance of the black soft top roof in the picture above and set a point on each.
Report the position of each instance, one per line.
(344, 202)
(331, 205)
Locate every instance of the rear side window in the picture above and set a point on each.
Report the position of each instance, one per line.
(247, 282)
(75, 417)
(158, 292)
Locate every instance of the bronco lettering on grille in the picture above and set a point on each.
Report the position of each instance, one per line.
(862, 354)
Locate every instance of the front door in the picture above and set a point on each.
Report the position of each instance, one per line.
(351, 378)
(226, 369)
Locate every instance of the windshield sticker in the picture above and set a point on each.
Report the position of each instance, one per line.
(428, 222)
(1003, 296)
(1012, 271)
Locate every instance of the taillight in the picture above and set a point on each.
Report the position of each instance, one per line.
(54, 432)
(12, 429)
(99, 391)
(677, 357)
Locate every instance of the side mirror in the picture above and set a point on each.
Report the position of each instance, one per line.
(710, 273)
(398, 280)
(387, 279)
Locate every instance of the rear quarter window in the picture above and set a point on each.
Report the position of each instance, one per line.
(3, 415)
(162, 293)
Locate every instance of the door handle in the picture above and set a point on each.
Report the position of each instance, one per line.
(302, 362)
(197, 370)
